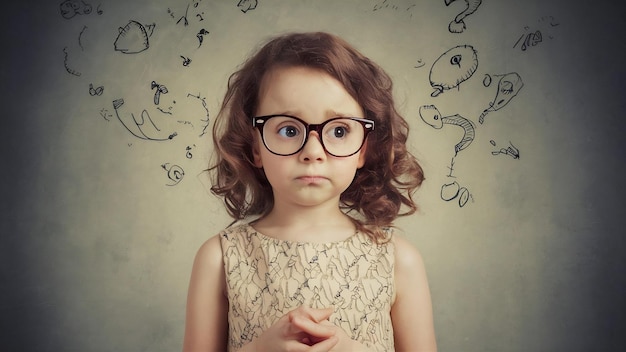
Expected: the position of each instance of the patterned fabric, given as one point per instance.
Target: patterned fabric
(266, 278)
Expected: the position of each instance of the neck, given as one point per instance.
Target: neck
(306, 224)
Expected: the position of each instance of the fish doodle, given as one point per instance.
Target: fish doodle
(452, 68)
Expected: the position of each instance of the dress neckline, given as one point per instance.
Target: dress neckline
(252, 230)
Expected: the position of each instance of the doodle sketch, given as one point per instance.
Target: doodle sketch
(432, 117)
(175, 173)
(140, 128)
(531, 39)
(67, 66)
(458, 24)
(71, 8)
(508, 86)
(247, 5)
(511, 151)
(453, 190)
(133, 38)
(452, 68)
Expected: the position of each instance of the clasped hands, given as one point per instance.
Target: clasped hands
(304, 329)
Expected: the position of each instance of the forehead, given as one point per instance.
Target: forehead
(306, 92)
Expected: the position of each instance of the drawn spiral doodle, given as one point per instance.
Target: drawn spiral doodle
(175, 173)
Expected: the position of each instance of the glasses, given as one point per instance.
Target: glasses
(286, 135)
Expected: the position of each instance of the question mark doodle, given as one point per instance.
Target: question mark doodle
(458, 25)
(432, 117)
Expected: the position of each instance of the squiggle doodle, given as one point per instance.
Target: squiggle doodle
(458, 25)
(247, 5)
(80, 35)
(67, 68)
(534, 38)
(201, 35)
(511, 151)
(133, 38)
(186, 61)
(138, 128)
(204, 105)
(175, 173)
(508, 86)
(431, 116)
(452, 68)
(105, 114)
(160, 89)
(188, 154)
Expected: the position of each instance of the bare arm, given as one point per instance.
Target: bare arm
(206, 323)
(411, 312)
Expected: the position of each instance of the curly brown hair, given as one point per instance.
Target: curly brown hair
(380, 188)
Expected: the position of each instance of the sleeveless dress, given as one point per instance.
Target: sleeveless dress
(266, 278)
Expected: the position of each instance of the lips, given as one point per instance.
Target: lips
(311, 179)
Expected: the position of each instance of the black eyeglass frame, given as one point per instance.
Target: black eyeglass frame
(368, 126)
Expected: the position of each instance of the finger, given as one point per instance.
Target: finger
(308, 326)
(321, 314)
(314, 314)
(325, 345)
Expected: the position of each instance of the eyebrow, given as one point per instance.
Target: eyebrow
(328, 114)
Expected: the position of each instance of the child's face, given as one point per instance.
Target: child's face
(311, 176)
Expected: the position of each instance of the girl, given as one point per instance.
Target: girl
(309, 144)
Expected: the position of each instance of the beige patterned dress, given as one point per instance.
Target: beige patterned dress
(266, 278)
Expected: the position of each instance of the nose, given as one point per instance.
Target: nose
(312, 149)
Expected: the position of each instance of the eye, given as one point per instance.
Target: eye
(288, 131)
(339, 131)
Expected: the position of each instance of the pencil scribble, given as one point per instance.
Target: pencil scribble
(511, 151)
(532, 38)
(71, 8)
(247, 5)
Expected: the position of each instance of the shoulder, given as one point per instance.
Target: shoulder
(407, 256)
(210, 252)
(412, 309)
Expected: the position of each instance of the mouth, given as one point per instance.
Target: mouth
(310, 179)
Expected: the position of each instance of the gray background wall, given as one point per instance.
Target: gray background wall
(99, 227)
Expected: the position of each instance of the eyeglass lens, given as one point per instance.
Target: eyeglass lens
(340, 137)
